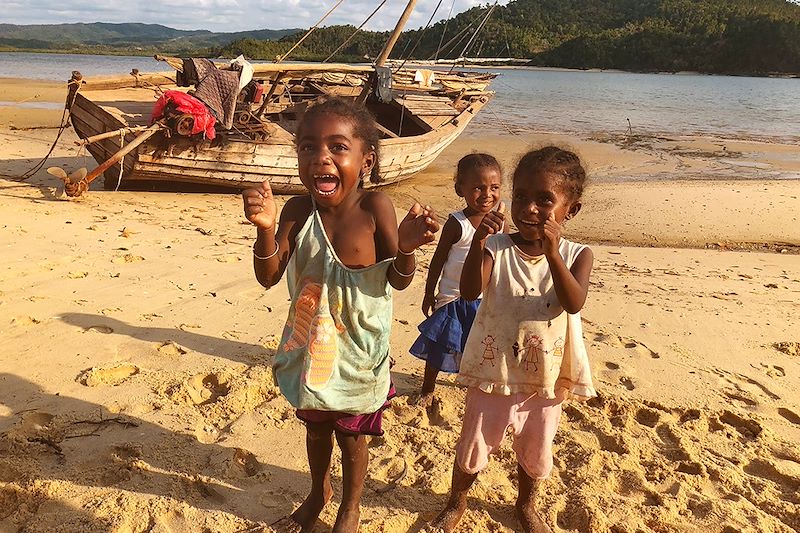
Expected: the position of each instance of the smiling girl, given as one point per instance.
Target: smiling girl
(443, 333)
(343, 252)
(525, 353)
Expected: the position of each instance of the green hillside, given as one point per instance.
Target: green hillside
(129, 38)
(715, 36)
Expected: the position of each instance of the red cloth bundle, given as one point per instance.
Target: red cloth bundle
(185, 103)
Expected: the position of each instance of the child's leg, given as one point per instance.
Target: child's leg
(319, 446)
(428, 384)
(528, 518)
(486, 417)
(355, 457)
(450, 516)
(535, 423)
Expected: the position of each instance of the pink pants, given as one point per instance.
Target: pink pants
(533, 419)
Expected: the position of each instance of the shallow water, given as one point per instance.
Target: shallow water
(582, 102)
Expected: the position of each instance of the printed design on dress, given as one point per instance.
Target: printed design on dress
(557, 354)
(533, 352)
(321, 351)
(304, 310)
(314, 328)
(489, 349)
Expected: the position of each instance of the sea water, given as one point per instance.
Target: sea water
(552, 100)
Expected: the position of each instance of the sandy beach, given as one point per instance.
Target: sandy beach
(136, 392)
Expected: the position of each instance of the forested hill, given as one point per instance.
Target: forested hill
(133, 38)
(715, 36)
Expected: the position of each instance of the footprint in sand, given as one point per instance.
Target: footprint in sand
(627, 383)
(740, 396)
(100, 329)
(25, 321)
(206, 388)
(36, 422)
(171, 348)
(127, 258)
(788, 347)
(624, 342)
(389, 472)
(747, 427)
(93, 377)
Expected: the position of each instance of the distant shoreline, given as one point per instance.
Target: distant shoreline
(495, 63)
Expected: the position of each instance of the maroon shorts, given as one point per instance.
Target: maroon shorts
(364, 424)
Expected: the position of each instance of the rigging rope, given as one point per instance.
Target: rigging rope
(475, 34)
(449, 15)
(309, 32)
(63, 125)
(354, 33)
(458, 37)
(419, 40)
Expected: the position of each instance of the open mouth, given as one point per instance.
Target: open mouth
(326, 184)
(529, 224)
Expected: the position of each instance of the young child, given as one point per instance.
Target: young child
(443, 334)
(342, 250)
(525, 352)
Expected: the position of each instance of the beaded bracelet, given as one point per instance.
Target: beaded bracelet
(273, 254)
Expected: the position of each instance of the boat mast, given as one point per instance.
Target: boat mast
(395, 34)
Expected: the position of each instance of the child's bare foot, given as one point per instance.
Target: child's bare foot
(530, 520)
(448, 519)
(424, 399)
(302, 520)
(347, 520)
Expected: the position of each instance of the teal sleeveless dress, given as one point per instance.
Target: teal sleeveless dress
(334, 352)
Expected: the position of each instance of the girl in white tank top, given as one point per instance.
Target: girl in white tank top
(449, 318)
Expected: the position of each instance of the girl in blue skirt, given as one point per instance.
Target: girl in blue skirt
(444, 332)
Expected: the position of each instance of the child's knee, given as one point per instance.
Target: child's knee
(472, 460)
(538, 468)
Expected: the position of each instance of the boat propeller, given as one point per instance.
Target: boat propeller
(75, 183)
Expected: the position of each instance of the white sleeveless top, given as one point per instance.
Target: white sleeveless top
(522, 340)
(449, 284)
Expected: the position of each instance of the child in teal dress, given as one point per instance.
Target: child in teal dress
(343, 253)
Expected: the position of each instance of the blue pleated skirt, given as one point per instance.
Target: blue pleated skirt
(444, 334)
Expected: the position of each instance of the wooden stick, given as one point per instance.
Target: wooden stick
(106, 135)
(116, 158)
(395, 34)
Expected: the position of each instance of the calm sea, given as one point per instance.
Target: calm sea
(559, 101)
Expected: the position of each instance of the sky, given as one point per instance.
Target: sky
(228, 15)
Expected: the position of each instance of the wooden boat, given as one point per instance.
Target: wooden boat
(418, 121)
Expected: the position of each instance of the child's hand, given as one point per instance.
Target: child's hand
(552, 235)
(259, 206)
(493, 222)
(417, 228)
(428, 301)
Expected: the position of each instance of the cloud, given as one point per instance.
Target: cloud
(225, 15)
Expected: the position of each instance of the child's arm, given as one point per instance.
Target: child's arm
(571, 285)
(478, 265)
(451, 233)
(271, 251)
(417, 228)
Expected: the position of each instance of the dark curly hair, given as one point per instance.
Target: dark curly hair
(556, 161)
(364, 126)
(472, 162)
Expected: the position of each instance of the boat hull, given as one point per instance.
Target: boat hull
(237, 163)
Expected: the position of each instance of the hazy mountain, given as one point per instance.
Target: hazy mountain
(120, 36)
